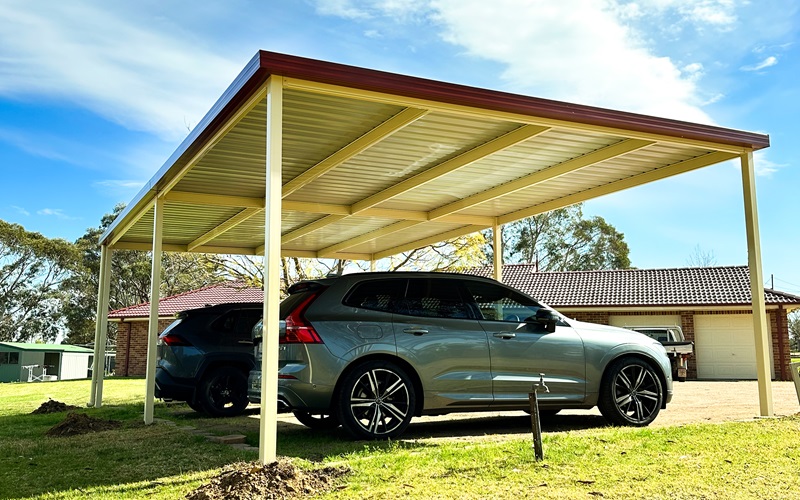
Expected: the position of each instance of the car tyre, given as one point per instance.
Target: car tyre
(376, 400)
(194, 405)
(318, 421)
(631, 393)
(223, 392)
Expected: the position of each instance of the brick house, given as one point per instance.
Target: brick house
(712, 305)
(133, 320)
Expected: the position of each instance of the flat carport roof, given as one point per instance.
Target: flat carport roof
(307, 158)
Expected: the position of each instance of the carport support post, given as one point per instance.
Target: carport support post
(268, 429)
(497, 245)
(152, 331)
(762, 334)
(101, 328)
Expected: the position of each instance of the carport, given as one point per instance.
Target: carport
(306, 158)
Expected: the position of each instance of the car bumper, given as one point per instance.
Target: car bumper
(170, 388)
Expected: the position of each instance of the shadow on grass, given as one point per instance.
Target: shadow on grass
(139, 458)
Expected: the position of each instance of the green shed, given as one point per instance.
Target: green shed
(20, 362)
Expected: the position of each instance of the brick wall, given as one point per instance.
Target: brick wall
(598, 317)
(132, 347)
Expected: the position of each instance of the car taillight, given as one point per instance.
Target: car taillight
(173, 340)
(298, 329)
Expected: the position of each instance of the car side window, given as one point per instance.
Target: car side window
(498, 303)
(235, 326)
(376, 295)
(435, 298)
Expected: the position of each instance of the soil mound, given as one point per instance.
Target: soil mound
(81, 423)
(52, 406)
(281, 479)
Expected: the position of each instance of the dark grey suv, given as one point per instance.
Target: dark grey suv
(204, 357)
(369, 351)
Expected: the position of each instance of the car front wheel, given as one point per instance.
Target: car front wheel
(223, 392)
(631, 393)
(376, 400)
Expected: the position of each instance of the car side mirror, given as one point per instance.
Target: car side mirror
(544, 319)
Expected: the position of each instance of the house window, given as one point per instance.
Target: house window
(9, 358)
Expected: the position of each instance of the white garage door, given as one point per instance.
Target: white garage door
(725, 346)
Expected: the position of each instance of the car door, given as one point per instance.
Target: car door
(520, 350)
(440, 335)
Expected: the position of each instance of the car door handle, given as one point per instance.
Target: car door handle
(415, 331)
(505, 335)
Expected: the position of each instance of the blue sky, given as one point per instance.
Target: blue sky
(95, 95)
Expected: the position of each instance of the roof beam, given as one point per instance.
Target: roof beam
(224, 227)
(455, 233)
(612, 187)
(310, 228)
(364, 238)
(377, 134)
(218, 200)
(558, 170)
(132, 220)
(505, 141)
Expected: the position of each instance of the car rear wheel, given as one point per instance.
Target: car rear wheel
(223, 392)
(194, 405)
(319, 421)
(376, 400)
(631, 393)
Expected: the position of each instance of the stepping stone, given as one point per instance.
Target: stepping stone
(229, 439)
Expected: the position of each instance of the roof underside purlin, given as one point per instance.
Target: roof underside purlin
(375, 164)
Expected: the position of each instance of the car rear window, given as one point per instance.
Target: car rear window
(377, 295)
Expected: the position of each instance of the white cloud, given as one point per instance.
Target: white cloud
(580, 51)
(763, 166)
(766, 63)
(342, 8)
(144, 76)
(20, 210)
(55, 212)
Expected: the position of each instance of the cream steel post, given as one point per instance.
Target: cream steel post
(268, 429)
(101, 328)
(762, 333)
(152, 332)
(497, 241)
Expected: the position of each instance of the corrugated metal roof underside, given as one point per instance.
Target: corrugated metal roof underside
(436, 173)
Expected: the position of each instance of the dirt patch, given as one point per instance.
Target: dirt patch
(52, 406)
(81, 423)
(281, 479)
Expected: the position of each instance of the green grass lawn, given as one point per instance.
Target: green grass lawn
(758, 459)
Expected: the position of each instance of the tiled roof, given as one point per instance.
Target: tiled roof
(696, 286)
(222, 293)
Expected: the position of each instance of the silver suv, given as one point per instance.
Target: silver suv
(370, 351)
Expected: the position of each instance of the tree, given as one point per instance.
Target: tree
(452, 255)
(564, 240)
(794, 331)
(130, 279)
(701, 258)
(32, 270)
